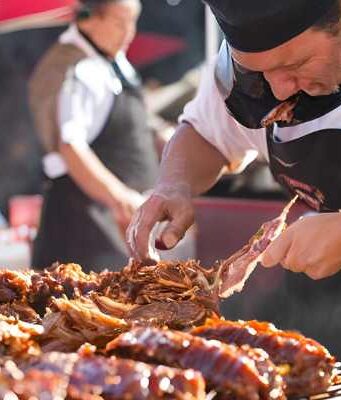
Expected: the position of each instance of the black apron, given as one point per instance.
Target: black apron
(309, 166)
(73, 227)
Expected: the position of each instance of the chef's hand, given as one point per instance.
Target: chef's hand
(311, 245)
(171, 204)
(126, 202)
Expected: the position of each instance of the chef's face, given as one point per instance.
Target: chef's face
(116, 25)
(310, 62)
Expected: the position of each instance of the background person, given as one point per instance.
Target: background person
(99, 151)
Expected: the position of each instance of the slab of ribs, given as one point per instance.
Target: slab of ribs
(149, 332)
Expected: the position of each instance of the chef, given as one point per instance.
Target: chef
(273, 90)
(99, 153)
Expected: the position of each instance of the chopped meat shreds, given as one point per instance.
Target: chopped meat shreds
(174, 315)
(14, 285)
(226, 368)
(117, 293)
(70, 323)
(74, 322)
(59, 280)
(20, 310)
(112, 307)
(59, 335)
(165, 281)
(37, 288)
(85, 312)
(17, 338)
(74, 279)
(306, 365)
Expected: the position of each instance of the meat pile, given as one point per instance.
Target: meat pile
(75, 307)
(149, 332)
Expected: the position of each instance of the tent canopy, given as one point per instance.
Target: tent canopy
(23, 14)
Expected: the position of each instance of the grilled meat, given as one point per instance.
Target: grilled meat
(70, 323)
(20, 311)
(306, 366)
(14, 285)
(241, 372)
(174, 315)
(17, 338)
(96, 308)
(86, 376)
(167, 281)
(117, 293)
(127, 379)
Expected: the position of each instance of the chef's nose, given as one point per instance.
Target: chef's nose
(283, 85)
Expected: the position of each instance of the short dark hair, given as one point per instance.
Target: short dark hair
(91, 7)
(330, 22)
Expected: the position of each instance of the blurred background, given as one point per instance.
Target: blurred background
(168, 52)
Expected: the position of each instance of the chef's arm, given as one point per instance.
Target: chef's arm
(190, 161)
(190, 165)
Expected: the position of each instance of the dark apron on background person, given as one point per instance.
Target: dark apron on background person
(309, 166)
(68, 231)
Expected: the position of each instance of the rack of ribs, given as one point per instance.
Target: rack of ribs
(306, 365)
(87, 376)
(241, 372)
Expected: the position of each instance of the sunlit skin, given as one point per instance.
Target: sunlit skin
(310, 62)
(114, 28)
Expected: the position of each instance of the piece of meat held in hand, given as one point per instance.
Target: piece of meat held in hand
(306, 366)
(233, 272)
(243, 373)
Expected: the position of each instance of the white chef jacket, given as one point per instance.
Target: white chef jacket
(240, 145)
(84, 102)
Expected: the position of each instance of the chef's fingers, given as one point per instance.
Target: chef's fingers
(139, 231)
(175, 230)
(277, 251)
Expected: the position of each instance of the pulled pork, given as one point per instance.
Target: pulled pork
(18, 339)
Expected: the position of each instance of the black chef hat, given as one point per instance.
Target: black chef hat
(95, 3)
(258, 25)
(88, 6)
